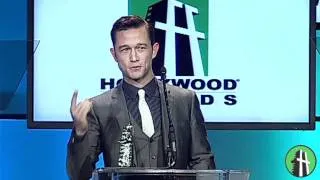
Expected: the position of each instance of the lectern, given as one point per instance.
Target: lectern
(167, 174)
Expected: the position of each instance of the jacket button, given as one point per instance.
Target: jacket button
(153, 157)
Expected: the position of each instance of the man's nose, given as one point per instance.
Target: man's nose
(134, 55)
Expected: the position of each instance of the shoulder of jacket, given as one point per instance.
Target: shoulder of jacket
(176, 91)
(103, 97)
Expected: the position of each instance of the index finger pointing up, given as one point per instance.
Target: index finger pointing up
(74, 99)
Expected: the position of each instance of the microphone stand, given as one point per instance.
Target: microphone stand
(171, 150)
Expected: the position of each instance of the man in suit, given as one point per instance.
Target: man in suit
(137, 104)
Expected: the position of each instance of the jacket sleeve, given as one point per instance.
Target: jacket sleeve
(83, 153)
(201, 156)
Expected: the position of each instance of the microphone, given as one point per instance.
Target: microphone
(171, 149)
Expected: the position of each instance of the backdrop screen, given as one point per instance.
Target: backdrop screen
(251, 63)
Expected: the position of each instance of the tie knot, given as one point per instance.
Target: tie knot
(141, 93)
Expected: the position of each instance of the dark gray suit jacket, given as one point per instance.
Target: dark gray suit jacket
(110, 114)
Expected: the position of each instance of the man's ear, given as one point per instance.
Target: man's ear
(112, 51)
(155, 48)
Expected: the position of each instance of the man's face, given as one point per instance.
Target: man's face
(134, 53)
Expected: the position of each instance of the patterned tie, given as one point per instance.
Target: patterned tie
(146, 118)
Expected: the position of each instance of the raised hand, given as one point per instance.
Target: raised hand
(79, 114)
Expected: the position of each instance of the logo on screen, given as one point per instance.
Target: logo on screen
(180, 37)
(181, 29)
(300, 161)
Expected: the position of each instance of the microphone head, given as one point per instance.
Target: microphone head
(163, 70)
(163, 73)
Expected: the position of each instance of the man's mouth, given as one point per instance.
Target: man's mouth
(135, 68)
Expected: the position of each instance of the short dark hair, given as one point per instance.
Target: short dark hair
(129, 22)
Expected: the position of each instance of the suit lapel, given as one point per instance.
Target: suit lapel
(120, 107)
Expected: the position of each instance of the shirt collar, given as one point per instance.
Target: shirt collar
(151, 89)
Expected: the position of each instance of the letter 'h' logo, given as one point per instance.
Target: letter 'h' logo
(301, 164)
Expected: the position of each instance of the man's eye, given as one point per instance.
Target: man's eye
(141, 48)
(124, 49)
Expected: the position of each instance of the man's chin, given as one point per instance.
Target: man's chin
(135, 77)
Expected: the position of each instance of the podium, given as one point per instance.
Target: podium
(167, 174)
